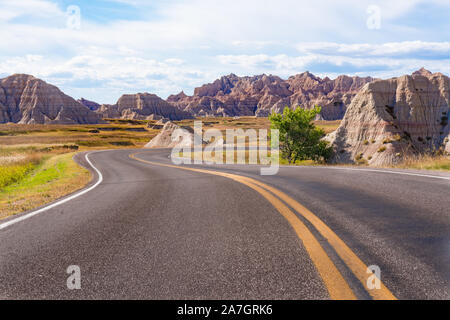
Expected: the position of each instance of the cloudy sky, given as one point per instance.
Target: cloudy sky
(101, 49)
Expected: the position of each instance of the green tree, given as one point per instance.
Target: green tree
(300, 139)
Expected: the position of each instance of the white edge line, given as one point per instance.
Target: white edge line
(388, 171)
(343, 168)
(354, 169)
(53, 205)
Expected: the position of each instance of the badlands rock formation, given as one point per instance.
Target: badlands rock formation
(142, 106)
(28, 100)
(164, 138)
(91, 105)
(260, 95)
(390, 119)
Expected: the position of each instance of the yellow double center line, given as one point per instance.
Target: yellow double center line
(335, 283)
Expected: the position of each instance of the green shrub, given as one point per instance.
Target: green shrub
(300, 139)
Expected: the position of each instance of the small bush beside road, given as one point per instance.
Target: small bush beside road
(300, 139)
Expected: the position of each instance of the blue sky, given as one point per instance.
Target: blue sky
(163, 47)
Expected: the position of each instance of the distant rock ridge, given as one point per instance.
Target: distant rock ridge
(177, 97)
(142, 106)
(422, 72)
(390, 119)
(89, 104)
(28, 100)
(260, 95)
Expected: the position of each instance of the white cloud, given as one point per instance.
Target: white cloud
(286, 66)
(381, 50)
(180, 44)
(38, 8)
(117, 74)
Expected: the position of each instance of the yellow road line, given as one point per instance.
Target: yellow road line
(335, 283)
(355, 264)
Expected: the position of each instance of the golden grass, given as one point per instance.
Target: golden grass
(328, 126)
(57, 176)
(116, 134)
(425, 162)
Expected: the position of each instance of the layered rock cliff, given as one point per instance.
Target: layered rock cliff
(260, 95)
(390, 119)
(28, 100)
(142, 106)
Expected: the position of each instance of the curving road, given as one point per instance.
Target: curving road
(152, 231)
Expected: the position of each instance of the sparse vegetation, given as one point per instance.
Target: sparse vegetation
(359, 159)
(381, 149)
(425, 162)
(362, 162)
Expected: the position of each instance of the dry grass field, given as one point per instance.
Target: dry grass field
(114, 134)
(36, 165)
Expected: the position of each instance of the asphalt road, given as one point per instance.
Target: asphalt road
(151, 231)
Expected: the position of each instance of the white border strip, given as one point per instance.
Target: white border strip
(215, 166)
(383, 171)
(76, 195)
